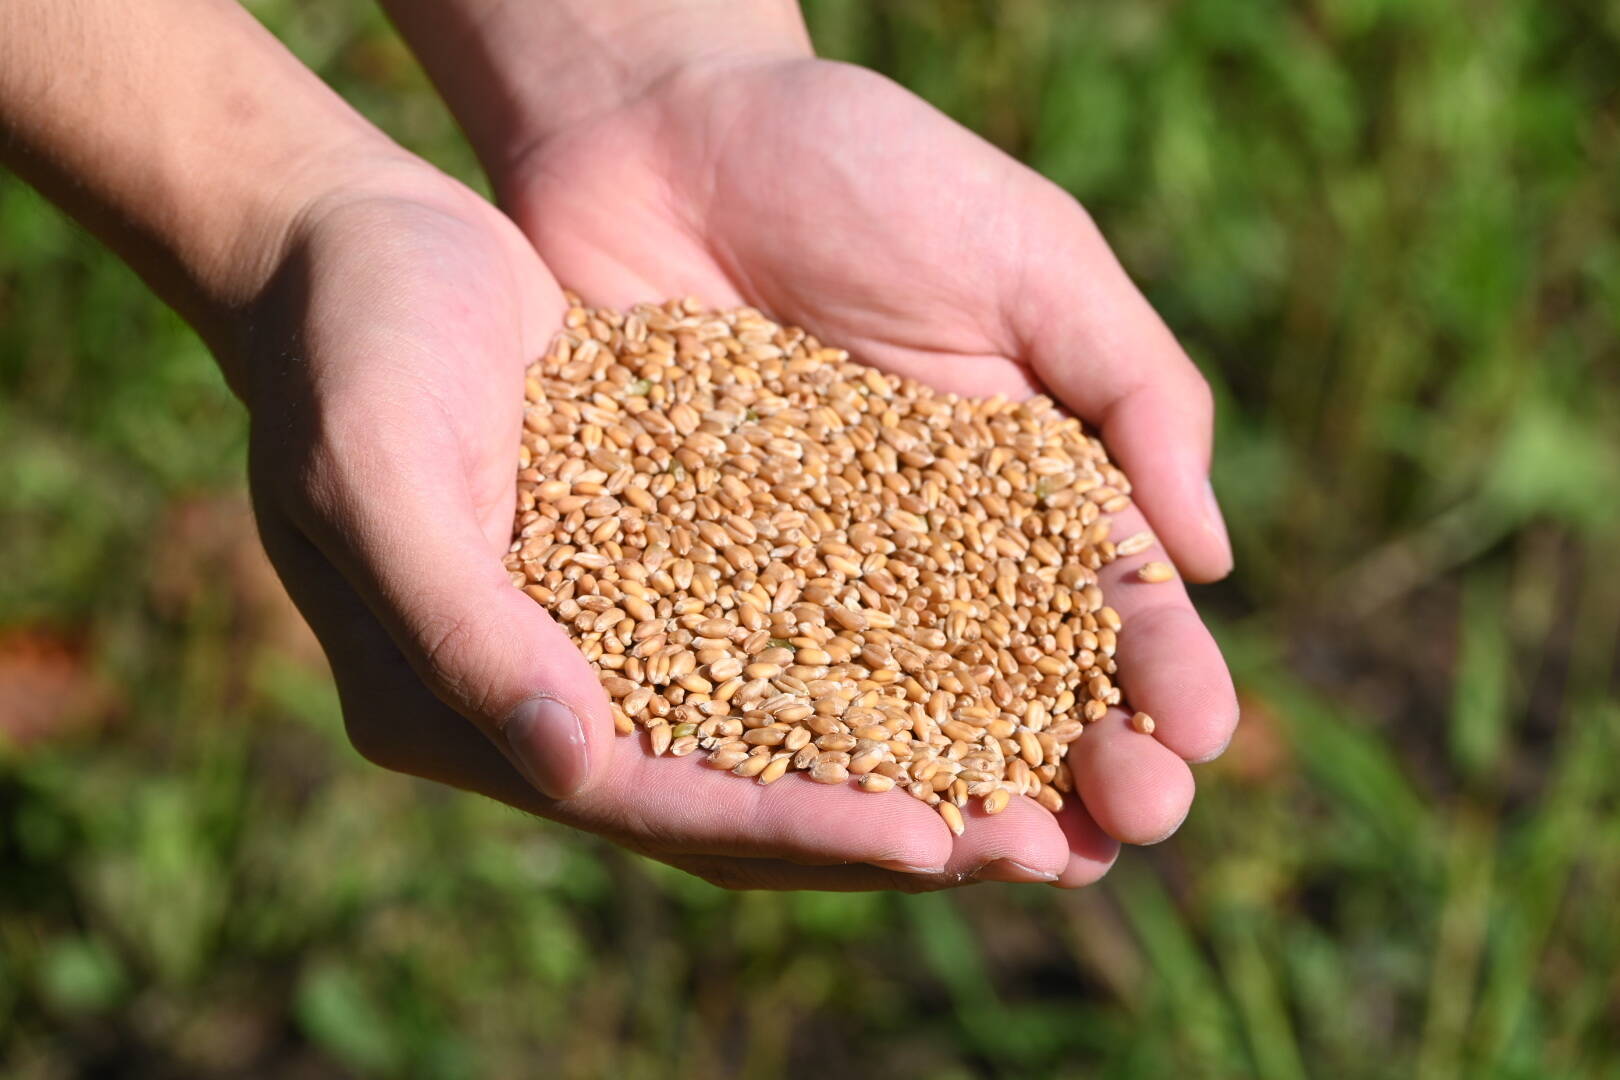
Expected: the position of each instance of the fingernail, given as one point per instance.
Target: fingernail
(906, 868)
(1009, 870)
(1214, 521)
(548, 742)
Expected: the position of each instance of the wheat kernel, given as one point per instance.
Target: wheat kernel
(789, 560)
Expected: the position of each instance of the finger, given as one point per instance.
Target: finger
(665, 804)
(680, 805)
(779, 876)
(1169, 665)
(391, 717)
(385, 495)
(1102, 350)
(385, 447)
(1091, 851)
(486, 649)
(649, 803)
(1022, 843)
(1133, 786)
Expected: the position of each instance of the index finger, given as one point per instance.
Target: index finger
(1169, 664)
(1104, 352)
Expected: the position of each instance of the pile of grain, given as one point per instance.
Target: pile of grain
(791, 561)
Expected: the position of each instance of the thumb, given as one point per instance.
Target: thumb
(498, 658)
(403, 531)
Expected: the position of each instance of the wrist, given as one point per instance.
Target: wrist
(544, 70)
(187, 139)
(253, 305)
(230, 259)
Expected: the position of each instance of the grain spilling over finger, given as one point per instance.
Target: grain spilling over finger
(1171, 668)
(1022, 842)
(1136, 789)
(1091, 851)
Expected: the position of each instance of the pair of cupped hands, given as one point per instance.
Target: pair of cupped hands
(386, 402)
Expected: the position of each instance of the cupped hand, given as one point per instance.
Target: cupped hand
(831, 198)
(383, 369)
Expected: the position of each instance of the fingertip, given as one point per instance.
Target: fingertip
(1213, 524)
(1010, 871)
(1136, 789)
(564, 721)
(1173, 828)
(804, 819)
(1205, 759)
(1081, 871)
(1092, 852)
(1172, 669)
(1021, 843)
(1180, 504)
(896, 832)
(926, 850)
(1203, 566)
(1202, 549)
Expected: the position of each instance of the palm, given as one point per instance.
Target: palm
(407, 351)
(812, 191)
(383, 463)
(831, 198)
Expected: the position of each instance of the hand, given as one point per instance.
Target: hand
(831, 198)
(377, 319)
(383, 370)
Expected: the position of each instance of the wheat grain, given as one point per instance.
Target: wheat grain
(794, 562)
(1134, 545)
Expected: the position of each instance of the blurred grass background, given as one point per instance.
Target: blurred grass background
(1386, 228)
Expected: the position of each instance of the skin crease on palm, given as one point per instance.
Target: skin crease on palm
(404, 462)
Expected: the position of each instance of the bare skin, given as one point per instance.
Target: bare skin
(376, 317)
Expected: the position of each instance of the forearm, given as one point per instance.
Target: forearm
(180, 132)
(516, 71)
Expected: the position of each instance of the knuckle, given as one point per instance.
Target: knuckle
(371, 736)
(1079, 235)
(647, 835)
(1086, 229)
(450, 647)
(732, 875)
(919, 884)
(1199, 392)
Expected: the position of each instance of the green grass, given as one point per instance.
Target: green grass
(1387, 231)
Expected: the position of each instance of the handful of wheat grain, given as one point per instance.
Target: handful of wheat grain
(791, 561)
